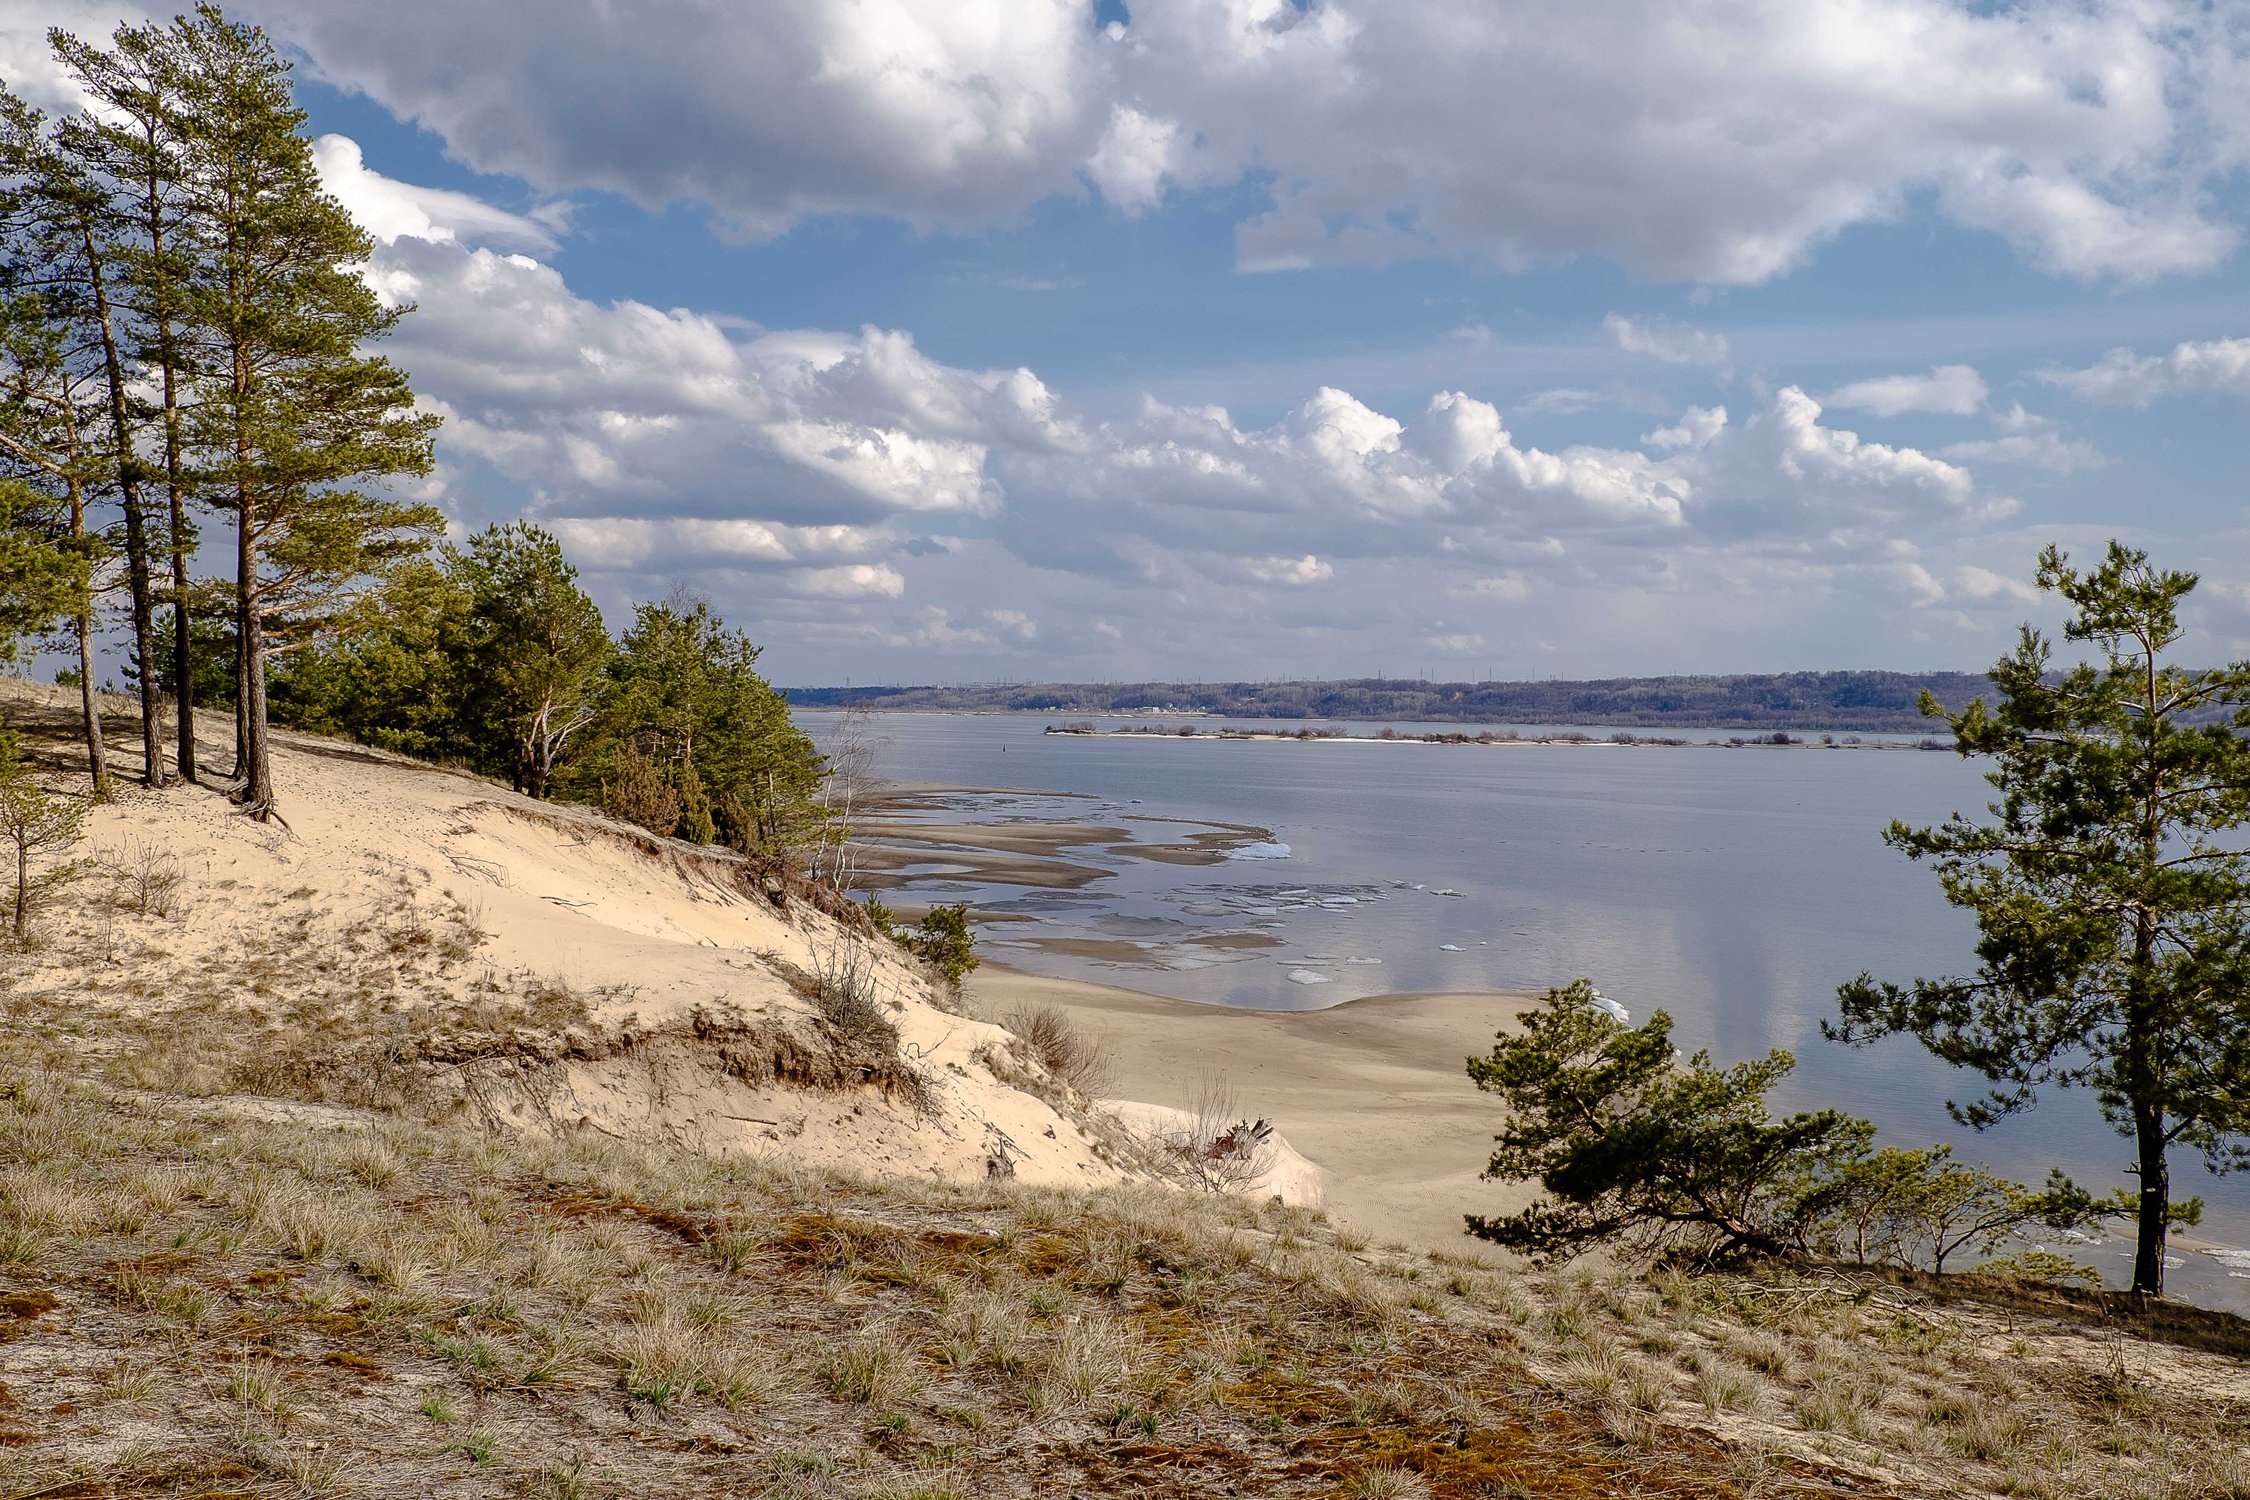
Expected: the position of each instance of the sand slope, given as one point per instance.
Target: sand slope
(403, 887)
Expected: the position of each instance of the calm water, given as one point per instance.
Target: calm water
(1733, 888)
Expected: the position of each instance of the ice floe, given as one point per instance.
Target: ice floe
(1610, 1008)
(1271, 850)
(1307, 976)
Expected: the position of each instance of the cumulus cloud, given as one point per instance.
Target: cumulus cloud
(855, 494)
(1947, 390)
(1722, 142)
(2125, 378)
(389, 209)
(1673, 342)
(1134, 158)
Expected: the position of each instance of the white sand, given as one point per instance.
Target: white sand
(1374, 1091)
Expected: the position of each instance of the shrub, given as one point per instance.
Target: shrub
(1063, 1047)
(35, 824)
(638, 793)
(1631, 1145)
(943, 940)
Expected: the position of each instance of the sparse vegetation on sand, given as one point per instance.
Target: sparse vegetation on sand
(247, 1296)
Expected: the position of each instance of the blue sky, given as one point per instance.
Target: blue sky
(1012, 339)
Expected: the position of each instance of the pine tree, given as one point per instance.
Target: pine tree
(2111, 889)
(132, 143)
(49, 414)
(61, 246)
(39, 580)
(534, 652)
(289, 418)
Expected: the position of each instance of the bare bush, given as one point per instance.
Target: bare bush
(1212, 1145)
(847, 995)
(145, 879)
(1068, 1051)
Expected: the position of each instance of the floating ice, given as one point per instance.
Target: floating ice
(2238, 1260)
(1610, 1008)
(1449, 891)
(1449, 947)
(1273, 850)
(1307, 976)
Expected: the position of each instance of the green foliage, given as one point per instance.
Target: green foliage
(2110, 886)
(1632, 1146)
(683, 692)
(533, 654)
(944, 941)
(637, 791)
(40, 577)
(1919, 1207)
(35, 824)
(391, 674)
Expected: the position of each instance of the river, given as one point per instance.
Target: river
(1734, 888)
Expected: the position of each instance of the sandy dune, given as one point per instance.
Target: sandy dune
(398, 886)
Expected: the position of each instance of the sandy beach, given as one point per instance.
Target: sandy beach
(1373, 1090)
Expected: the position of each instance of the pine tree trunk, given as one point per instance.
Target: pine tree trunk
(97, 753)
(136, 529)
(255, 793)
(89, 700)
(183, 651)
(2153, 1223)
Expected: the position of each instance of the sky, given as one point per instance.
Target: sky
(1202, 339)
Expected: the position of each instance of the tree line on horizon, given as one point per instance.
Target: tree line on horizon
(1864, 702)
(186, 377)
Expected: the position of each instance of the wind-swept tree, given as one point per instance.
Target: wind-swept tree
(296, 427)
(2110, 886)
(1632, 1146)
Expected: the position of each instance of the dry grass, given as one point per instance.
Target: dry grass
(204, 1303)
(1069, 1053)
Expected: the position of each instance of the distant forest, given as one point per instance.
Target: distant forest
(1876, 702)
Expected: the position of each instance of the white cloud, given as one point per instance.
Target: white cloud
(2026, 440)
(2125, 378)
(1985, 585)
(1135, 156)
(387, 208)
(1673, 342)
(1722, 141)
(1947, 390)
(1297, 570)
(1697, 426)
(930, 110)
(855, 495)
(1507, 586)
